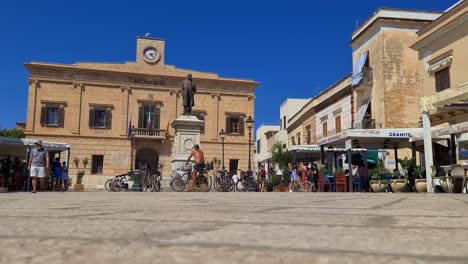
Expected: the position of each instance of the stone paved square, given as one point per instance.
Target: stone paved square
(101, 227)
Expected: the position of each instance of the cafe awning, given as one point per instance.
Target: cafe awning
(443, 132)
(16, 147)
(372, 138)
(358, 67)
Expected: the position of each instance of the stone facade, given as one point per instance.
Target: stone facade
(122, 90)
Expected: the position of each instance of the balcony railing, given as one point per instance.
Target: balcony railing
(150, 133)
(368, 124)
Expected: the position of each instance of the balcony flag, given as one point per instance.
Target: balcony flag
(129, 133)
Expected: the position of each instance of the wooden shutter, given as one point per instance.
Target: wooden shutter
(228, 125)
(157, 118)
(442, 79)
(43, 115)
(91, 117)
(61, 116)
(141, 117)
(108, 119)
(241, 125)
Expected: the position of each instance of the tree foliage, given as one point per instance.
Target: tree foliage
(282, 157)
(13, 133)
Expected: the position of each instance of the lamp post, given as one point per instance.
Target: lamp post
(250, 122)
(136, 187)
(222, 135)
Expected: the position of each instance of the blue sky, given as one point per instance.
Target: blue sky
(293, 48)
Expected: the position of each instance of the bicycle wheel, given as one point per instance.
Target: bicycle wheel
(306, 186)
(177, 185)
(147, 183)
(217, 184)
(116, 185)
(107, 184)
(204, 182)
(156, 184)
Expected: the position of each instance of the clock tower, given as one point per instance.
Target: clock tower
(150, 51)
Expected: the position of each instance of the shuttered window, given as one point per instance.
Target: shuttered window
(100, 117)
(235, 124)
(337, 124)
(149, 117)
(324, 129)
(53, 114)
(442, 79)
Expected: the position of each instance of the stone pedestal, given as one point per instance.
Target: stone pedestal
(187, 134)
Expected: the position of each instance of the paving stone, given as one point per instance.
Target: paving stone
(168, 227)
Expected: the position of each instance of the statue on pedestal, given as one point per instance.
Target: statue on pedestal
(188, 89)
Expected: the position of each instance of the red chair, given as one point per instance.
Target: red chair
(341, 185)
(321, 184)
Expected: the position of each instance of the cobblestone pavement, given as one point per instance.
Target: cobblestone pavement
(102, 227)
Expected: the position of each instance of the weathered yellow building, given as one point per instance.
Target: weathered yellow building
(443, 62)
(90, 106)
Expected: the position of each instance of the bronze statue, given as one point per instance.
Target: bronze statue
(188, 90)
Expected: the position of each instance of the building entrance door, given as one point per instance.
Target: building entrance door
(146, 158)
(233, 166)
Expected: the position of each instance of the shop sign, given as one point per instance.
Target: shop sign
(399, 134)
(329, 139)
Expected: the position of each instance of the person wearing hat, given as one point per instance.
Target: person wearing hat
(38, 163)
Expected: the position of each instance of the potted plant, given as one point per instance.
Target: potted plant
(377, 183)
(281, 157)
(79, 176)
(79, 181)
(420, 181)
(401, 184)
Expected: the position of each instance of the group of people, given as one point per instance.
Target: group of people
(11, 176)
(309, 171)
(39, 164)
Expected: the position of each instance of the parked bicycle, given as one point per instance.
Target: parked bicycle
(179, 177)
(152, 181)
(247, 183)
(302, 185)
(117, 184)
(223, 182)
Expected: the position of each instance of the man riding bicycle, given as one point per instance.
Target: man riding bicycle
(199, 157)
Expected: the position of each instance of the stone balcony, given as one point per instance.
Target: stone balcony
(150, 133)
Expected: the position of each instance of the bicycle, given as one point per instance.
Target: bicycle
(117, 184)
(179, 177)
(152, 181)
(223, 182)
(247, 183)
(301, 185)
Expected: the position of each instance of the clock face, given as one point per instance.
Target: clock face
(150, 54)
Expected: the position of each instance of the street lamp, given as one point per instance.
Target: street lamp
(250, 122)
(136, 187)
(222, 135)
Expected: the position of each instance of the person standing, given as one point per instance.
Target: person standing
(64, 177)
(57, 172)
(38, 163)
(294, 176)
(263, 175)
